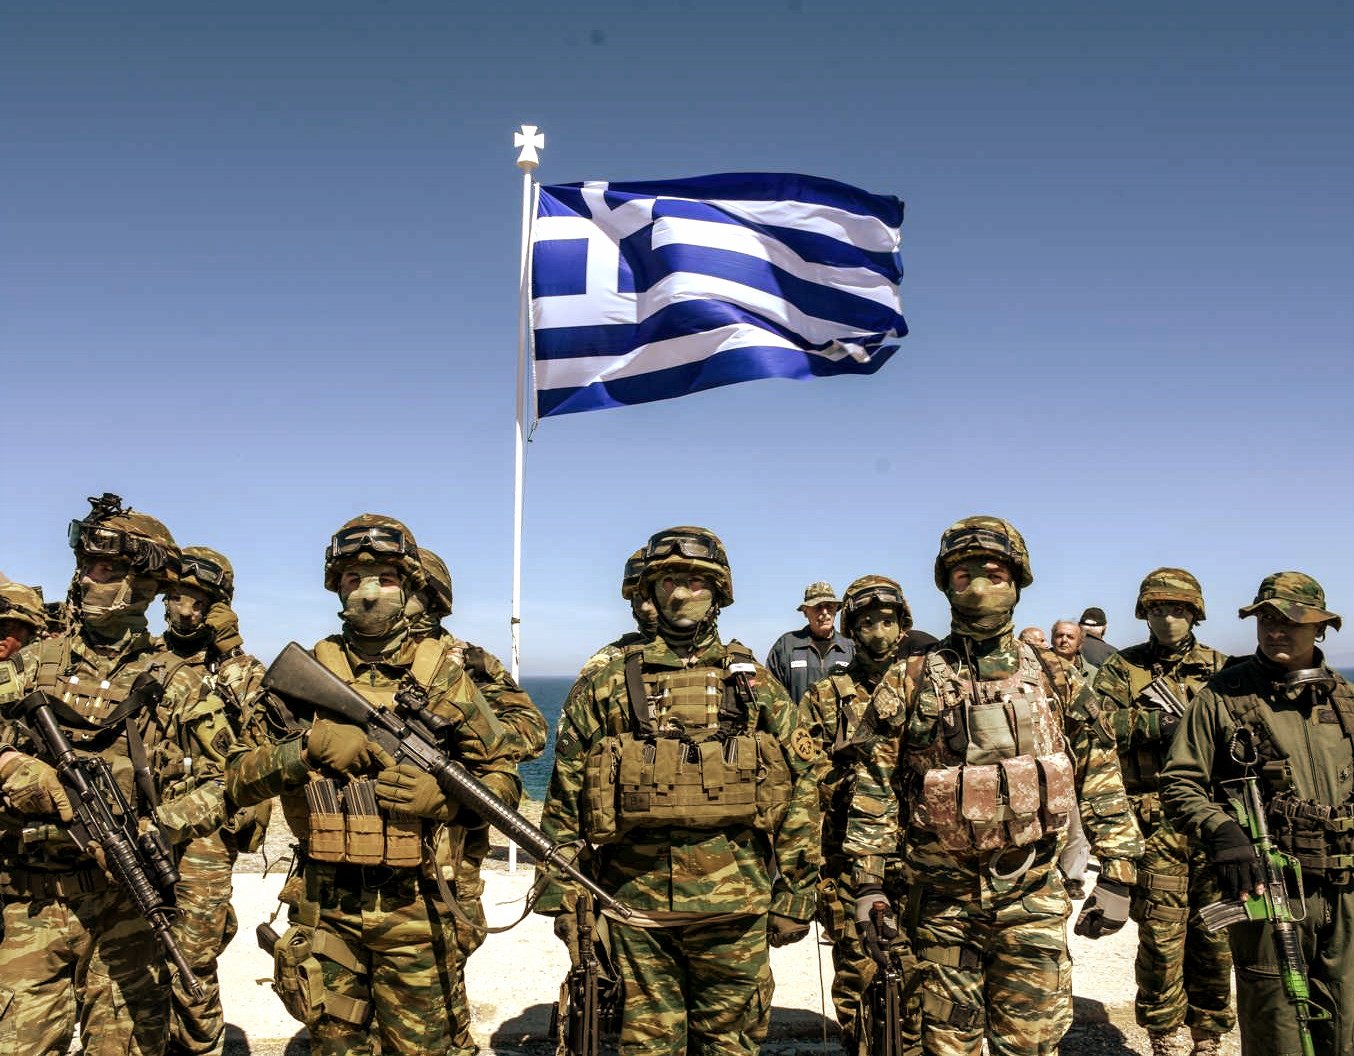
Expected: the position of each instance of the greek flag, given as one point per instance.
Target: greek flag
(646, 291)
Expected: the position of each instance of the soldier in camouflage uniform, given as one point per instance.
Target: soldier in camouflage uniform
(681, 762)
(876, 617)
(71, 938)
(22, 617)
(203, 633)
(985, 746)
(526, 732)
(369, 959)
(641, 607)
(1290, 713)
(1184, 971)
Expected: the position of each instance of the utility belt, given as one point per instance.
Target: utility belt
(346, 826)
(345, 876)
(1141, 767)
(659, 781)
(38, 885)
(1319, 836)
(991, 806)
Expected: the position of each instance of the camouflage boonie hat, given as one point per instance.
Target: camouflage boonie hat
(1294, 595)
(18, 602)
(874, 590)
(818, 593)
(1169, 584)
(372, 538)
(983, 535)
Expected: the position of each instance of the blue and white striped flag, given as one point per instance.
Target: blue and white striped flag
(645, 291)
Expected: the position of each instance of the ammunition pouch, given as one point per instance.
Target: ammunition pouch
(632, 782)
(1319, 836)
(348, 828)
(297, 976)
(991, 806)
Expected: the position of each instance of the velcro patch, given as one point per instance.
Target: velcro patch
(803, 744)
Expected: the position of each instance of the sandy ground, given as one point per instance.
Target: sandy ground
(514, 978)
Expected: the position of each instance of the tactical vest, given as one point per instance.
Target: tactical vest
(1141, 764)
(343, 821)
(997, 773)
(1320, 836)
(690, 758)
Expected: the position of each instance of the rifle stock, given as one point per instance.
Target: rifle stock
(138, 862)
(408, 735)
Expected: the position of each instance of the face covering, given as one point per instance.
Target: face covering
(374, 611)
(421, 622)
(646, 615)
(878, 640)
(113, 609)
(184, 615)
(1170, 631)
(983, 609)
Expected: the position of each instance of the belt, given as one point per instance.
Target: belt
(40, 886)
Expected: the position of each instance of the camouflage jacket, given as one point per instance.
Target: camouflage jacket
(609, 652)
(1309, 757)
(186, 736)
(473, 735)
(522, 720)
(683, 870)
(906, 720)
(1134, 712)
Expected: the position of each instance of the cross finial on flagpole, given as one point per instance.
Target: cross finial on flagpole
(529, 139)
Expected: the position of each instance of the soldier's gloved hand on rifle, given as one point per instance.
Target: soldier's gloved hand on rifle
(341, 747)
(1106, 911)
(407, 788)
(1235, 861)
(886, 924)
(31, 787)
(225, 627)
(782, 931)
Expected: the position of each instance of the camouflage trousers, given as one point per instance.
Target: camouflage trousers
(387, 960)
(1184, 973)
(695, 988)
(1268, 1023)
(993, 954)
(468, 890)
(92, 951)
(205, 927)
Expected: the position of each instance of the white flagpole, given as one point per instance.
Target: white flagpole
(528, 139)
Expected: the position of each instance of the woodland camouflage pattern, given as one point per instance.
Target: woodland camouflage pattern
(1184, 972)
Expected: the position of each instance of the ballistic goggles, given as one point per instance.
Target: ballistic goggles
(698, 547)
(95, 540)
(374, 539)
(205, 571)
(976, 540)
(876, 595)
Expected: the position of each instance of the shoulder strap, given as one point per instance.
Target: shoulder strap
(328, 652)
(54, 659)
(427, 658)
(634, 689)
(1054, 670)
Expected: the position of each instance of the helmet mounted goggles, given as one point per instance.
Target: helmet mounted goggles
(204, 570)
(698, 546)
(878, 594)
(970, 540)
(95, 540)
(377, 540)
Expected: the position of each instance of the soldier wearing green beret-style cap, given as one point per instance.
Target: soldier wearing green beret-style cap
(1298, 713)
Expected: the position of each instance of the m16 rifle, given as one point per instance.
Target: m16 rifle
(410, 734)
(1273, 904)
(884, 1001)
(1160, 695)
(141, 863)
(590, 993)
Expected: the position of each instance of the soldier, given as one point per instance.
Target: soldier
(22, 617)
(705, 820)
(1286, 711)
(1184, 972)
(876, 617)
(370, 952)
(203, 633)
(526, 735)
(118, 694)
(641, 607)
(985, 746)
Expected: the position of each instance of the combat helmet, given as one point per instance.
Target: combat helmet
(1170, 584)
(24, 604)
(110, 530)
(634, 572)
(874, 590)
(689, 549)
(983, 535)
(372, 538)
(210, 571)
(437, 590)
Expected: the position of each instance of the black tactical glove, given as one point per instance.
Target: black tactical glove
(225, 627)
(782, 931)
(885, 922)
(1235, 861)
(1105, 911)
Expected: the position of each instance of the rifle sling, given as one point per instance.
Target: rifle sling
(145, 780)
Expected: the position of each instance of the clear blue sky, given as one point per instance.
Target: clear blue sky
(258, 265)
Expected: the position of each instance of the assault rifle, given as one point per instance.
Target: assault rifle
(882, 1003)
(412, 735)
(1274, 905)
(590, 994)
(140, 862)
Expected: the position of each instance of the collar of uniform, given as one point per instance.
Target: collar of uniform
(400, 654)
(1269, 671)
(1165, 654)
(130, 645)
(657, 653)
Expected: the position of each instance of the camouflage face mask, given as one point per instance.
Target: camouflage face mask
(983, 608)
(116, 607)
(374, 611)
(877, 631)
(1170, 631)
(184, 614)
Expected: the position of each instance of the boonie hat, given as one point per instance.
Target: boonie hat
(1092, 617)
(1294, 595)
(818, 593)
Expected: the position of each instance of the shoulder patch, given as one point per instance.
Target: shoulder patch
(803, 744)
(222, 741)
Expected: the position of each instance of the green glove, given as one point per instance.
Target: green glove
(407, 788)
(32, 787)
(225, 627)
(781, 931)
(341, 747)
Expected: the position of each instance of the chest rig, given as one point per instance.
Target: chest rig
(1147, 688)
(994, 772)
(1319, 835)
(344, 822)
(690, 756)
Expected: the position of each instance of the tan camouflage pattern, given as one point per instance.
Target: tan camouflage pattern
(1295, 595)
(408, 563)
(96, 935)
(968, 537)
(1183, 972)
(1019, 1003)
(18, 602)
(1169, 584)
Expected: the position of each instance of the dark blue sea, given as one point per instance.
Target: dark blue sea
(548, 695)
